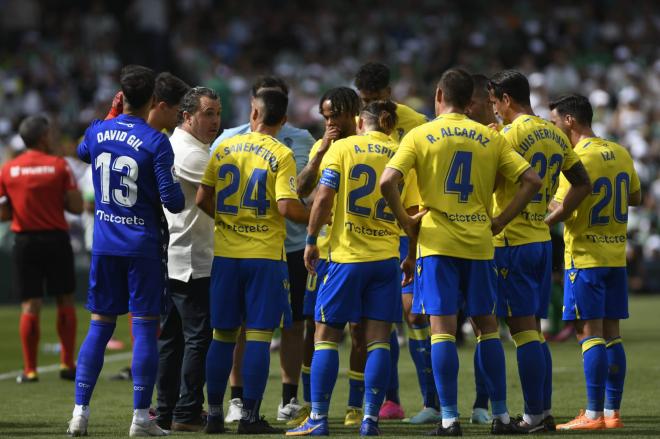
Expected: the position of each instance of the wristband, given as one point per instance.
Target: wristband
(311, 240)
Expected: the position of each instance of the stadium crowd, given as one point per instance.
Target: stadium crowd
(301, 242)
(65, 63)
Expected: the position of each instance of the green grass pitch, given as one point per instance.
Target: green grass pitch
(41, 410)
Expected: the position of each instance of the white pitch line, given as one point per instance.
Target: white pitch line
(56, 367)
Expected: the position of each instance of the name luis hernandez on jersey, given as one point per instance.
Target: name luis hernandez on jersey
(119, 136)
(254, 148)
(541, 134)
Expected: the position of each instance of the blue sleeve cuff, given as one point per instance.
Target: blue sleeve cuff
(330, 178)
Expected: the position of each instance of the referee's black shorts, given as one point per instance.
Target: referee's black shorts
(297, 281)
(42, 262)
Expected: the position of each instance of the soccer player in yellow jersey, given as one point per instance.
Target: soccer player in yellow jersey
(456, 161)
(362, 283)
(595, 284)
(339, 107)
(373, 83)
(523, 252)
(249, 187)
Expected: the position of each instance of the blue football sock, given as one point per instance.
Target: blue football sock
(145, 361)
(393, 380)
(531, 369)
(616, 361)
(445, 370)
(219, 360)
(493, 367)
(377, 373)
(90, 359)
(256, 363)
(547, 386)
(305, 377)
(325, 367)
(594, 358)
(355, 389)
(481, 399)
(419, 345)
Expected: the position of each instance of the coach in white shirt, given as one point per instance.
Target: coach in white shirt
(185, 329)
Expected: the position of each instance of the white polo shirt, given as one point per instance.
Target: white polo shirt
(191, 231)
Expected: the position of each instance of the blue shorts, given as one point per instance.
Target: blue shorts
(524, 283)
(595, 293)
(121, 284)
(444, 284)
(403, 252)
(312, 288)
(250, 291)
(362, 290)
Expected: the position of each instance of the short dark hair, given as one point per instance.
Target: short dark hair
(575, 105)
(372, 77)
(137, 84)
(267, 81)
(480, 84)
(343, 100)
(32, 129)
(191, 100)
(381, 115)
(169, 89)
(274, 106)
(457, 87)
(511, 82)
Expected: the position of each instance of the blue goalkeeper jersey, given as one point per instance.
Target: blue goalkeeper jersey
(133, 176)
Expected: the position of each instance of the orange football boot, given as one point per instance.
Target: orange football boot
(613, 421)
(581, 422)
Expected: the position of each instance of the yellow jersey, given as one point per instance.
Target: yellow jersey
(407, 119)
(364, 228)
(456, 160)
(548, 151)
(324, 234)
(250, 173)
(595, 234)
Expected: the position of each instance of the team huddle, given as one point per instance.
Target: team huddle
(406, 220)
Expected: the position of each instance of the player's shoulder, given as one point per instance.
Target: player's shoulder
(404, 111)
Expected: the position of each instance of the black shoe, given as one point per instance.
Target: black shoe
(29, 378)
(453, 430)
(260, 426)
(519, 426)
(549, 422)
(124, 374)
(195, 426)
(498, 427)
(214, 424)
(163, 423)
(68, 374)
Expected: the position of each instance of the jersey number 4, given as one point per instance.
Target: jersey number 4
(458, 178)
(128, 168)
(254, 195)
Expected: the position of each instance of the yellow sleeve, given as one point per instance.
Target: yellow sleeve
(315, 148)
(405, 157)
(635, 185)
(332, 158)
(210, 174)
(570, 159)
(563, 188)
(411, 195)
(285, 180)
(511, 164)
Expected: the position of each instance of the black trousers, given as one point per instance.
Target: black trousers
(183, 343)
